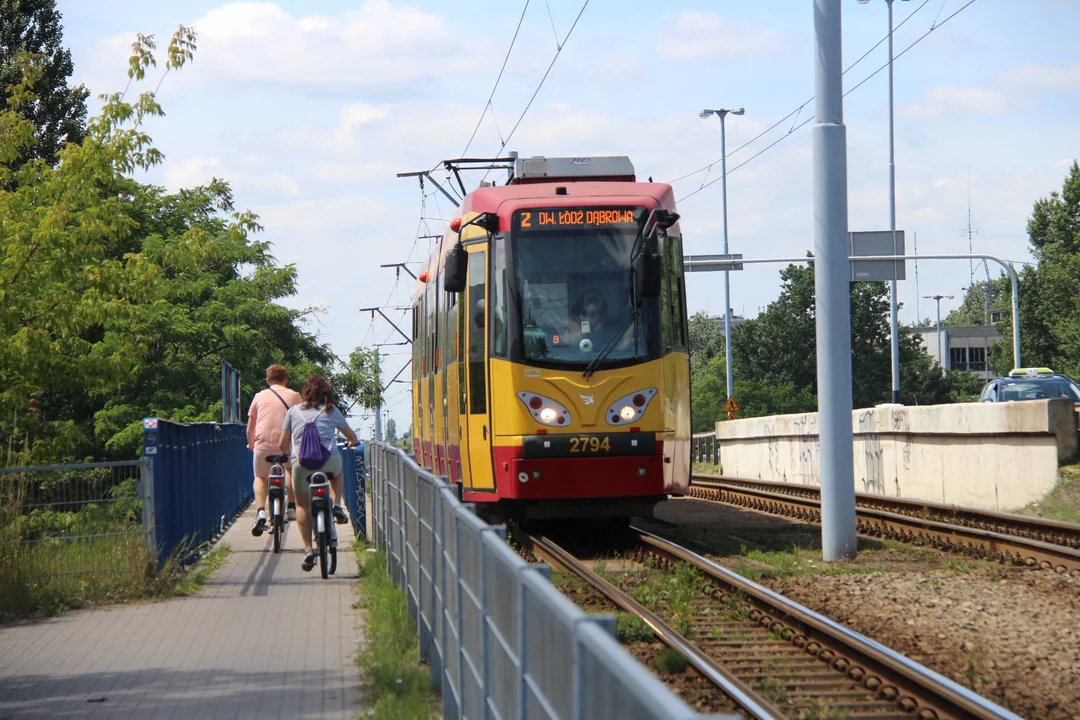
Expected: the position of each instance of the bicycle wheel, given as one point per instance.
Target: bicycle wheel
(323, 543)
(333, 560)
(277, 535)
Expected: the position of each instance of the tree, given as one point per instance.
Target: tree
(776, 363)
(360, 380)
(973, 310)
(119, 300)
(1049, 301)
(391, 432)
(31, 30)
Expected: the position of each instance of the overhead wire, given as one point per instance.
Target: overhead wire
(558, 51)
(799, 108)
(491, 96)
(807, 121)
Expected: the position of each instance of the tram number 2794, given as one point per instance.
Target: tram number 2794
(588, 444)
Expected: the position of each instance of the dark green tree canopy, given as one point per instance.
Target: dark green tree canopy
(31, 30)
(1049, 290)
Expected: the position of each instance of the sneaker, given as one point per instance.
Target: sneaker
(309, 561)
(260, 523)
(290, 514)
(339, 515)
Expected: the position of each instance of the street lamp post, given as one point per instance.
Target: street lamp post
(894, 324)
(722, 113)
(939, 298)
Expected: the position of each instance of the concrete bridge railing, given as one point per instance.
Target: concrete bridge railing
(996, 456)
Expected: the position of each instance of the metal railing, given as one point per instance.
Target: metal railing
(201, 480)
(705, 448)
(501, 640)
(75, 520)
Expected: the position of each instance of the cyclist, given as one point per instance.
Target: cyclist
(318, 407)
(267, 412)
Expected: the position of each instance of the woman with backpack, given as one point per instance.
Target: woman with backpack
(309, 430)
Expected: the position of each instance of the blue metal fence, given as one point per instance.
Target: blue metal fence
(354, 469)
(201, 480)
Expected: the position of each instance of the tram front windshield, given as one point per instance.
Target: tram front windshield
(574, 294)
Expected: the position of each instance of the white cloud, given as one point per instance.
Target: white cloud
(700, 35)
(1048, 78)
(381, 44)
(943, 102)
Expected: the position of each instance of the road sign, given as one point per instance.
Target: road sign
(881, 242)
(731, 405)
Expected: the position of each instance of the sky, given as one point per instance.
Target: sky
(309, 111)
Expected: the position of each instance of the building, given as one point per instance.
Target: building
(736, 321)
(965, 347)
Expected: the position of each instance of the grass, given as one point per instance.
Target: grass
(56, 556)
(671, 662)
(824, 711)
(707, 468)
(396, 686)
(1062, 502)
(629, 628)
(774, 685)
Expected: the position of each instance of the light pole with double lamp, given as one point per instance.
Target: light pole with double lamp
(939, 298)
(722, 113)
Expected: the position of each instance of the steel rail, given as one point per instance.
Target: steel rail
(1044, 529)
(906, 528)
(743, 696)
(916, 689)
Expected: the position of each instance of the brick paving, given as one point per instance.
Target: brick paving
(213, 655)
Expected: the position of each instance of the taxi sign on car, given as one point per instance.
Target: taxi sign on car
(1031, 372)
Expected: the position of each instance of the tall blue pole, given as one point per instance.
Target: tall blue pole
(894, 324)
(833, 295)
(727, 275)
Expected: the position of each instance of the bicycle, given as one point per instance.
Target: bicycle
(323, 523)
(276, 496)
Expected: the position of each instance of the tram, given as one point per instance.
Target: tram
(551, 374)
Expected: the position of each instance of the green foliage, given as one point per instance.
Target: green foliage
(396, 685)
(629, 628)
(671, 662)
(391, 432)
(119, 300)
(1049, 301)
(776, 363)
(973, 310)
(1061, 503)
(30, 32)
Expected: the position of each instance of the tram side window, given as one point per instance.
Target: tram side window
(673, 265)
(665, 301)
(498, 298)
(460, 354)
(476, 307)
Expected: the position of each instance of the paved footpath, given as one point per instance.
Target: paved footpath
(201, 657)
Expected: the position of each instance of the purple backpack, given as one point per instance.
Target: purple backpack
(313, 454)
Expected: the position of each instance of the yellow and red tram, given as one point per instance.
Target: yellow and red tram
(550, 352)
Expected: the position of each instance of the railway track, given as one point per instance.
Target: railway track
(1015, 539)
(775, 658)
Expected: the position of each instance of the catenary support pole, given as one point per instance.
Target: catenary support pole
(727, 275)
(832, 278)
(894, 321)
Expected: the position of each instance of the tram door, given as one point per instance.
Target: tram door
(476, 436)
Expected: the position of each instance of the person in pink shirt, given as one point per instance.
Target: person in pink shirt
(265, 416)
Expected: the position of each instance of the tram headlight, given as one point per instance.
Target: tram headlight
(630, 408)
(545, 410)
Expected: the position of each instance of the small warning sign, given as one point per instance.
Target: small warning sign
(731, 407)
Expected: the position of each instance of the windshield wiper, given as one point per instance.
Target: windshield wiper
(606, 350)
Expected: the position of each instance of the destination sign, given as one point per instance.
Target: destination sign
(592, 218)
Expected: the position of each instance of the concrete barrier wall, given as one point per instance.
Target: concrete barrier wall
(996, 456)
